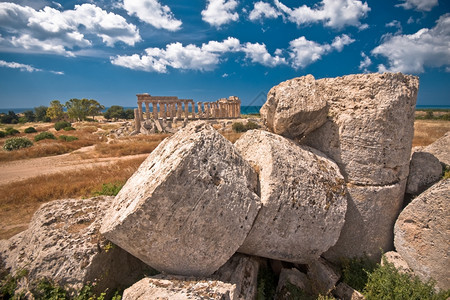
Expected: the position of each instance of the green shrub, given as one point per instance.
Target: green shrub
(68, 138)
(267, 283)
(62, 124)
(2, 134)
(238, 127)
(8, 284)
(386, 282)
(69, 128)
(109, 189)
(251, 125)
(17, 143)
(355, 271)
(44, 135)
(11, 131)
(30, 130)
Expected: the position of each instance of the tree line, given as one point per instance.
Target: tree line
(74, 110)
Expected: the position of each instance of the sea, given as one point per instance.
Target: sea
(245, 110)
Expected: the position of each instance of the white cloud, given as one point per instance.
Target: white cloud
(263, 10)
(257, 53)
(60, 32)
(220, 12)
(304, 52)
(153, 13)
(412, 53)
(420, 5)
(365, 63)
(24, 67)
(333, 13)
(225, 75)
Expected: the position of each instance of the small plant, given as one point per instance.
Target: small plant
(61, 125)
(446, 172)
(109, 189)
(9, 284)
(2, 134)
(355, 271)
(44, 135)
(69, 128)
(238, 127)
(108, 247)
(251, 125)
(17, 143)
(11, 131)
(267, 284)
(30, 130)
(68, 138)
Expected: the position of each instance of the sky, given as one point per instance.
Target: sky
(210, 49)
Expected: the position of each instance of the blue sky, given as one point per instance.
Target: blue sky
(209, 49)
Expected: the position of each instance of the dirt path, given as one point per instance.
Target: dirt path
(23, 169)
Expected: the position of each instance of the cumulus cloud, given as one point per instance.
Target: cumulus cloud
(24, 67)
(304, 52)
(220, 12)
(60, 32)
(258, 53)
(365, 63)
(420, 5)
(153, 13)
(332, 13)
(412, 53)
(263, 10)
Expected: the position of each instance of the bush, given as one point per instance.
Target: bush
(62, 124)
(17, 143)
(355, 272)
(30, 130)
(109, 189)
(11, 131)
(238, 127)
(68, 138)
(69, 128)
(44, 135)
(2, 134)
(251, 125)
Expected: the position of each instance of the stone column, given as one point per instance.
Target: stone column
(179, 110)
(199, 110)
(207, 107)
(147, 111)
(186, 109)
(140, 111)
(137, 120)
(233, 110)
(155, 110)
(164, 112)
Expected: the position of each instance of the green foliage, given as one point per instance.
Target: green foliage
(47, 289)
(8, 284)
(386, 282)
(29, 116)
(239, 127)
(44, 135)
(30, 130)
(56, 110)
(9, 118)
(292, 292)
(79, 109)
(68, 138)
(267, 284)
(2, 134)
(446, 172)
(41, 114)
(129, 114)
(69, 128)
(115, 112)
(17, 143)
(109, 189)
(61, 125)
(11, 131)
(355, 271)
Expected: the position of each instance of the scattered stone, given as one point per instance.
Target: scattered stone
(397, 260)
(293, 277)
(422, 234)
(345, 292)
(178, 287)
(63, 244)
(303, 197)
(369, 222)
(441, 149)
(189, 206)
(322, 276)
(370, 125)
(294, 108)
(424, 170)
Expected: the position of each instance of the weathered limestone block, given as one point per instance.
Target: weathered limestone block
(370, 125)
(441, 149)
(422, 233)
(294, 108)
(345, 292)
(369, 221)
(397, 260)
(322, 276)
(293, 277)
(63, 244)
(303, 197)
(189, 206)
(179, 288)
(424, 170)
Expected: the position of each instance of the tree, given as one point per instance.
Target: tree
(95, 108)
(29, 115)
(77, 109)
(55, 111)
(10, 118)
(41, 113)
(129, 114)
(114, 112)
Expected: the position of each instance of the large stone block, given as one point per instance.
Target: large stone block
(369, 222)
(424, 170)
(303, 197)
(422, 233)
(63, 244)
(370, 125)
(294, 108)
(189, 206)
(441, 149)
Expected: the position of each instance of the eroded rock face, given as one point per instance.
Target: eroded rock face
(369, 222)
(189, 206)
(422, 234)
(303, 197)
(441, 149)
(294, 108)
(63, 244)
(424, 170)
(370, 126)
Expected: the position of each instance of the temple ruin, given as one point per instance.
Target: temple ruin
(170, 108)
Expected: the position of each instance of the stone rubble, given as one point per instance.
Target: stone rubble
(424, 170)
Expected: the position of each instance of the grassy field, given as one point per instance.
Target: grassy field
(19, 200)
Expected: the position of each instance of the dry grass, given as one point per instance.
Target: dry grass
(427, 131)
(19, 200)
(232, 136)
(130, 145)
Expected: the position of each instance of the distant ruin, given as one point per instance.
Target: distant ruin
(170, 108)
